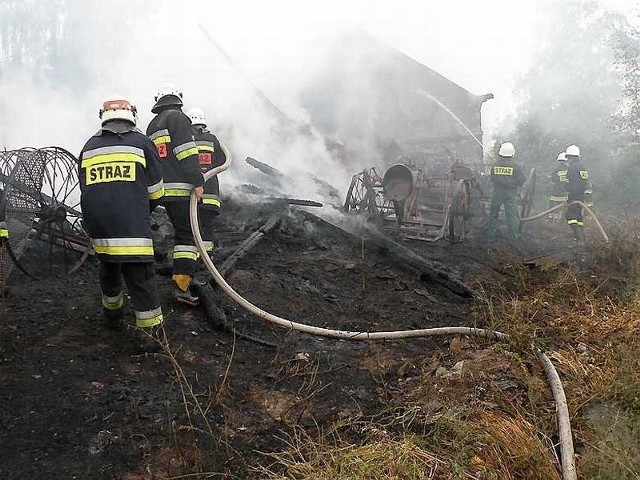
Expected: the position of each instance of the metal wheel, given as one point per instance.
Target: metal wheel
(527, 194)
(7, 162)
(361, 196)
(460, 211)
(41, 205)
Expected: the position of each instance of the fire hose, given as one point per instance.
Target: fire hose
(566, 205)
(562, 411)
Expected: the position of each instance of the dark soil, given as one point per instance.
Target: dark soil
(81, 401)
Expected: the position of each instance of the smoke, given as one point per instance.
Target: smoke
(61, 58)
(572, 90)
(131, 48)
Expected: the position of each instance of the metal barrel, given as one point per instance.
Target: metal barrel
(398, 182)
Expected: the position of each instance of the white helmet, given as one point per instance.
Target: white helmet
(562, 157)
(168, 89)
(573, 151)
(197, 116)
(507, 150)
(118, 108)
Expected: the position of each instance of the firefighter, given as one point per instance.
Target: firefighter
(577, 183)
(120, 183)
(588, 195)
(210, 155)
(4, 232)
(170, 130)
(558, 181)
(506, 177)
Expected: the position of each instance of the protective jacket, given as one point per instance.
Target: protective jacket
(4, 231)
(170, 130)
(559, 180)
(507, 174)
(120, 181)
(210, 155)
(577, 179)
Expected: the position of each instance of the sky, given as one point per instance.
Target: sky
(482, 45)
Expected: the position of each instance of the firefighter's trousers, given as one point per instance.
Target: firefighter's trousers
(574, 217)
(185, 252)
(207, 227)
(506, 196)
(141, 284)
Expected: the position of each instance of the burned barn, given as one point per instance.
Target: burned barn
(418, 139)
(376, 95)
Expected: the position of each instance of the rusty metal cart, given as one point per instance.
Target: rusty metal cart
(426, 206)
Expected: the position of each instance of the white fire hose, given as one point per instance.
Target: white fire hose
(564, 427)
(566, 205)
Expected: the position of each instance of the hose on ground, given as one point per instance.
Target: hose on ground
(567, 456)
(568, 464)
(566, 205)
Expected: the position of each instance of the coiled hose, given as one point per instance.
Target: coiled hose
(564, 426)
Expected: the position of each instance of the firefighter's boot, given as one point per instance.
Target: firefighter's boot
(150, 339)
(182, 291)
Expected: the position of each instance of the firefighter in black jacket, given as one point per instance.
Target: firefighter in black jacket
(170, 130)
(121, 182)
(210, 155)
(558, 181)
(577, 183)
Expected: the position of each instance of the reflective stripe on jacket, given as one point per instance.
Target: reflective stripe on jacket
(210, 155)
(120, 180)
(577, 179)
(558, 181)
(170, 131)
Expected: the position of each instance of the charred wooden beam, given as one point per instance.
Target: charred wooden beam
(323, 186)
(217, 318)
(294, 201)
(429, 269)
(251, 241)
(265, 168)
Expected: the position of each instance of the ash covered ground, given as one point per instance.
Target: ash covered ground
(80, 401)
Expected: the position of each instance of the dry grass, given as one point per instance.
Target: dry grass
(515, 449)
(381, 456)
(471, 427)
(590, 321)
(489, 445)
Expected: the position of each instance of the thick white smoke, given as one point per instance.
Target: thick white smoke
(91, 49)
